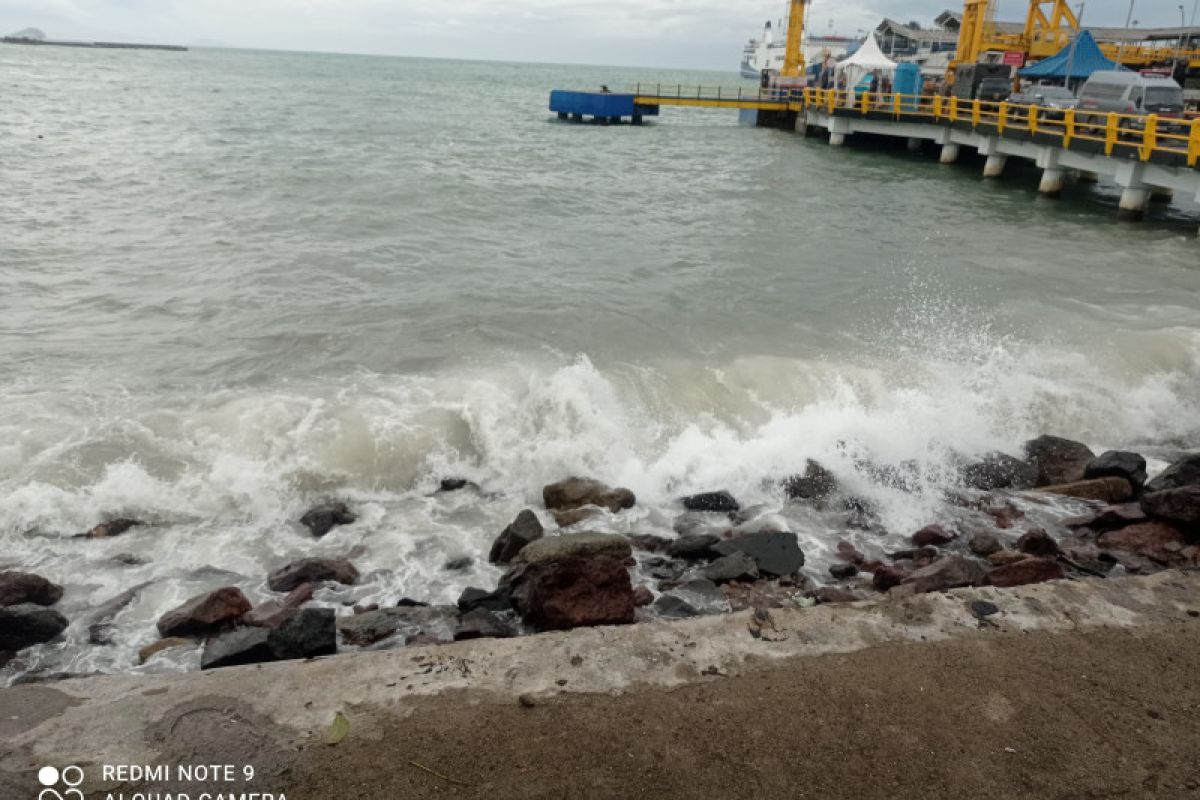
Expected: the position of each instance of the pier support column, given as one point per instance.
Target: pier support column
(1136, 194)
(950, 153)
(1053, 175)
(839, 129)
(994, 166)
(914, 145)
(802, 124)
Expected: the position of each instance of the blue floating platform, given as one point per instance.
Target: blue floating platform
(600, 106)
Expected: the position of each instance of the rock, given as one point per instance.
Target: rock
(305, 633)
(672, 607)
(273, 613)
(102, 634)
(566, 519)
(576, 545)
(110, 608)
(776, 553)
(1000, 471)
(1105, 490)
(129, 560)
(933, 536)
(362, 608)
(700, 523)
(1118, 464)
(924, 555)
(461, 564)
(151, 650)
(524, 529)
(1185, 472)
(576, 493)
(695, 548)
(1161, 542)
(448, 485)
(436, 622)
(1058, 461)
(408, 602)
(834, 594)
(572, 593)
(642, 597)
(816, 485)
(237, 648)
(843, 572)
(1177, 505)
(17, 588)
(1024, 572)
(472, 599)
(952, 572)
(312, 570)
(205, 613)
(1110, 518)
(107, 530)
(1002, 558)
(482, 624)
(722, 502)
(984, 544)
(703, 595)
(322, 519)
(27, 624)
(734, 567)
(887, 577)
(649, 543)
(849, 553)
(1038, 543)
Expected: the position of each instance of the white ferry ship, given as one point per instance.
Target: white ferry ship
(765, 53)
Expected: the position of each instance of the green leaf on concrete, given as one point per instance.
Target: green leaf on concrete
(338, 730)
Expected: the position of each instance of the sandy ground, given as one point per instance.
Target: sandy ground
(1110, 714)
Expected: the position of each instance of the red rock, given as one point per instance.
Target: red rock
(205, 614)
(1005, 557)
(1038, 543)
(312, 570)
(642, 597)
(952, 572)
(984, 545)
(849, 553)
(572, 593)
(933, 536)
(1106, 490)
(25, 587)
(1160, 542)
(1024, 572)
(887, 577)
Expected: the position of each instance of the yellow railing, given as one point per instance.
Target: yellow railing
(1149, 135)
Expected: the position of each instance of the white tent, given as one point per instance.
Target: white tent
(867, 60)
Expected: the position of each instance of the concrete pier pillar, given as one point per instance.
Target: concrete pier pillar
(1134, 200)
(839, 129)
(1053, 179)
(994, 166)
(801, 126)
(1084, 176)
(950, 153)
(837, 139)
(914, 145)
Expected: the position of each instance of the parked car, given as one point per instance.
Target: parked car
(1057, 97)
(1133, 93)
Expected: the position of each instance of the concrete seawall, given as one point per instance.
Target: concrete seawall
(275, 717)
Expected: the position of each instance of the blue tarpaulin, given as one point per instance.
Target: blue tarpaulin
(1087, 58)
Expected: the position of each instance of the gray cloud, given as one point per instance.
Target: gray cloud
(683, 33)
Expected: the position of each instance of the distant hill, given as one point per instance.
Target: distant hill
(33, 34)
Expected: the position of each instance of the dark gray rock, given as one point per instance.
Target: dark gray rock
(712, 501)
(1118, 464)
(843, 572)
(1058, 461)
(322, 519)
(816, 485)
(102, 634)
(524, 530)
(1038, 543)
(305, 633)
(312, 570)
(482, 624)
(672, 607)
(775, 552)
(237, 648)
(649, 543)
(27, 624)
(17, 588)
(107, 530)
(734, 567)
(984, 545)
(453, 484)
(435, 622)
(473, 598)
(1185, 472)
(695, 548)
(699, 523)
(1000, 471)
(1176, 505)
(459, 564)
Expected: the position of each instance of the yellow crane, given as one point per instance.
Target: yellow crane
(793, 59)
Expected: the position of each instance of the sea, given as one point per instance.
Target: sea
(236, 284)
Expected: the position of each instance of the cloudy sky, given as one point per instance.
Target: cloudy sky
(671, 33)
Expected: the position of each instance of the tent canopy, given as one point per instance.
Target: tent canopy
(1087, 59)
(868, 58)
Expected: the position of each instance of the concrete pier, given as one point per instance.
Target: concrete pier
(1053, 180)
(1134, 200)
(994, 166)
(950, 153)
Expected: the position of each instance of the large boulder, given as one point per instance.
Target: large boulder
(1058, 461)
(526, 528)
(1185, 472)
(712, 501)
(24, 587)
(951, 572)
(815, 486)
(933, 536)
(273, 612)
(27, 624)
(473, 598)
(322, 519)
(1000, 471)
(1024, 572)
(1104, 490)
(205, 614)
(482, 624)
(734, 567)
(700, 547)
(107, 530)
(312, 570)
(429, 622)
(774, 552)
(1161, 542)
(1118, 464)
(306, 633)
(572, 593)
(576, 545)
(237, 648)
(1177, 505)
(575, 493)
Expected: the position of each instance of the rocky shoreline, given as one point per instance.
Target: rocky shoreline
(723, 557)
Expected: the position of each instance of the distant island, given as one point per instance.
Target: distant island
(35, 36)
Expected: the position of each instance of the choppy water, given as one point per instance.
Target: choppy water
(235, 284)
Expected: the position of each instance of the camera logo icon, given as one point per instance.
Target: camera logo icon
(60, 784)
